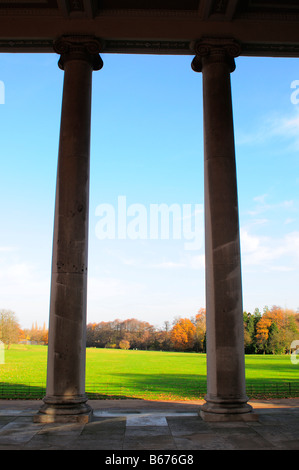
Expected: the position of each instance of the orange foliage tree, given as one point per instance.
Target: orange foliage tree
(183, 334)
(275, 330)
(262, 330)
(200, 325)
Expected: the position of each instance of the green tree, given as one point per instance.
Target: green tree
(275, 343)
(250, 330)
(276, 330)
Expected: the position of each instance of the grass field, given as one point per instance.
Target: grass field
(144, 374)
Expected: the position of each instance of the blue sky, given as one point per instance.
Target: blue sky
(147, 147)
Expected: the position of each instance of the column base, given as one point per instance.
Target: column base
(225, 410)
(62, 410)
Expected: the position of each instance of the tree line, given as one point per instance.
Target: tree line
(185, 334)
(269, 332)
(12, 333)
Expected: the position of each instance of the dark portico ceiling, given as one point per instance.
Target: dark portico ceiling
(262, 27)
(272, 6)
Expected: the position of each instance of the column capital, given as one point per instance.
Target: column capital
(211, 50)
(78, 47)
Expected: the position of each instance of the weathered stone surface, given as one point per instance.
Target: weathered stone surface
(65, 397)
(226, 395)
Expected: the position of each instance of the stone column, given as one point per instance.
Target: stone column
(65, 396)
(226, 396)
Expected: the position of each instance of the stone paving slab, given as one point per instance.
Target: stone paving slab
(121, 425)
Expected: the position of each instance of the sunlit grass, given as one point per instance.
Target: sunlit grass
(141, 374)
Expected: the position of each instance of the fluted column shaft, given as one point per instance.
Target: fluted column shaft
(226, 395)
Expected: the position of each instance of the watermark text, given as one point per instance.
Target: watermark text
(295, 93)
(294, 351)
(158, 221)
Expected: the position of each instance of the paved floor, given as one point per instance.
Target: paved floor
(137, 425)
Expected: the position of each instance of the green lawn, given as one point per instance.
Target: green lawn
(143, 374)
(147, 373)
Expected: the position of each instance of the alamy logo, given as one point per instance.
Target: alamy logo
(295, 351)
(295, 94)
(2, 92)
(158, 221)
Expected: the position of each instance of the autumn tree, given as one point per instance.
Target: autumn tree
(262, 332)
(183, 334)
(200, 330)
(100, 334)
(139, 334)
(276, 330)
(123, 344)
(162, 338)
(270, 332)
(36, 335)
(9, 327)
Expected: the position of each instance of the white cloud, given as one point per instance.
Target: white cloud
(262, 205)
(287, 127)
(270, 253)
(284, 127)
(292, 243)
(261, 199)
(197, 261)
(175, 261)
(289, 220)
(167, 265)
(25, 289)
(7, 249)
(187, 262)
(149, 300)
(111, 287)
(249, 243)
(23, 279)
